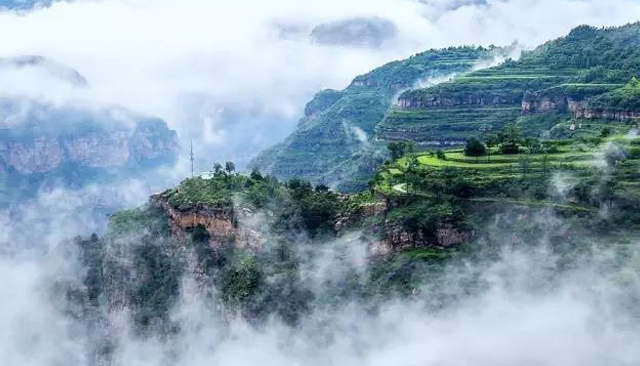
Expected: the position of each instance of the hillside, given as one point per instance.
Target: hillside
(46, 145)
(547, 90)
(246, 240)
(569, 78)
(336, 140)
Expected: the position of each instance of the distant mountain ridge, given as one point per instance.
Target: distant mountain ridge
(45, 145)
(586, 74)
(24, 4)
(53, 68)
(340, 126)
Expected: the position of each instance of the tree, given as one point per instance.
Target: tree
(412, 172)
(441, 155)
(510, 137)
(398, 149)
(605, 132)
(256, 175)
(230, 167)
(322, 188)
(533, 145)
(474, 148)
(490, 141)
(217, 169)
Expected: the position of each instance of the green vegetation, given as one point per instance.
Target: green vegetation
(328, 146)
(424, 210)
(524, 177)
(398, 149)
(546, 79)
(626, 98)
(474, 148)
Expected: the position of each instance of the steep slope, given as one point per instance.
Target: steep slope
(340, 125)
(571, 77)
(44, 144)
(586, 74)
(72, 147)
(245, 241)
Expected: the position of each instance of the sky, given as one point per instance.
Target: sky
(235, 76)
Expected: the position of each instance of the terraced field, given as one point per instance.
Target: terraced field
(469, 105)
(577, 159)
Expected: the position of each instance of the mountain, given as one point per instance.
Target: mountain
(48, 66)
(535, 217)
(355, 32)
(336, 139)
(585, 75)
(561, 80)
(256, 249)
(24, 4)
(45, 145)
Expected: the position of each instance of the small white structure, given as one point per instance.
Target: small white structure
(206, 175)
(572, 127)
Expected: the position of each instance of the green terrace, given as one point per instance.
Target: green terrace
(491, 177)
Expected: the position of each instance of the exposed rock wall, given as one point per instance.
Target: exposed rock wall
(619, 115)
(539, 102)
(41, 154)
(224, 224)
(455, 101)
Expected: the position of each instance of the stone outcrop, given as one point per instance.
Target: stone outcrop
(400, 238)
(38, 155)
(363, 212)
(619, 115)
(540, 103)
(454, 101)
(544, 102)
(225, 224)
(108, 149)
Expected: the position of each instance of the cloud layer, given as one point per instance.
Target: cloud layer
(234, 76)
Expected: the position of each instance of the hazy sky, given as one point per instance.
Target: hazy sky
(235, 75)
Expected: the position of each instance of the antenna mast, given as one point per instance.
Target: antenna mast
(192, 158)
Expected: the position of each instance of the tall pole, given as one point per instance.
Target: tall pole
(192, 158)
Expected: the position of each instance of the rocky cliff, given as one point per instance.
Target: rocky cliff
(40, 153)
(224, 224)
(340, 126)
(581, 101)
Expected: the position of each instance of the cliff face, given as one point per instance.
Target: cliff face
(619, 115)
(46, 144)
(40, 153)
(225, 224)
(340, 125)
(238, 226)
(398, 238)
(539, 103)
(481, 100)
(542, 102)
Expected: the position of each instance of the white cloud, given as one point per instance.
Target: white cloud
(220, 72)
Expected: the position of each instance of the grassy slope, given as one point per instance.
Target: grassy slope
(576, 159)
(587, 64)
(326, 146)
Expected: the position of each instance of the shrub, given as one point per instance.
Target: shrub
(509, 149)
(474, 148)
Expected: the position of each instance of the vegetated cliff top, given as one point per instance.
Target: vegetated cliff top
(587, 55)
(45, 64)
(339, 124)
(248, 235)
(341, 139)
